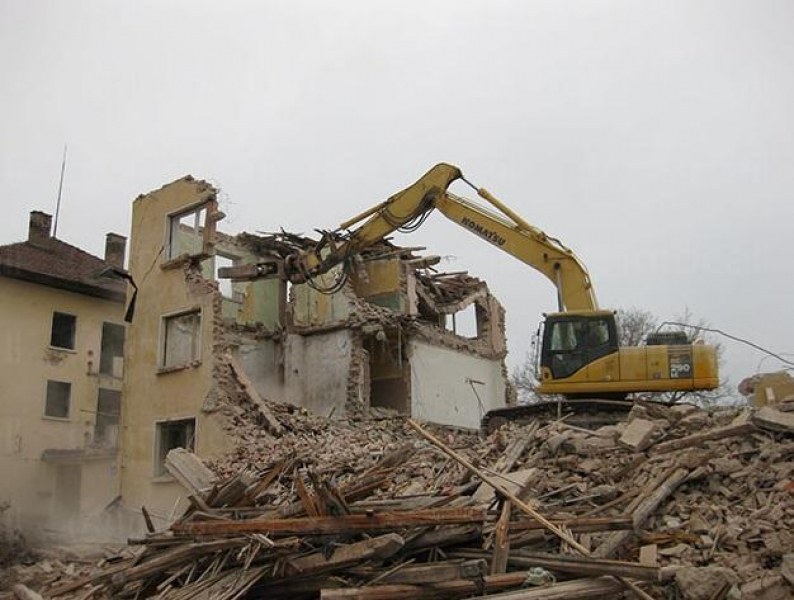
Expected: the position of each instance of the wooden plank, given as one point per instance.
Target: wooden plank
(449, 570)
(446, 536)
(578, 525)
(147, 519)
(514, 482)
(582, 589)
(515, 449)
(734, 429)
(306, 498)
(501, 549)
(584, 566)
(345, 555)
(373, 522)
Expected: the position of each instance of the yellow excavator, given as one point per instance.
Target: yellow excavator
(580, 356)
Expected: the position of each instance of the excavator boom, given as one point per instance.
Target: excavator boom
(504, 229)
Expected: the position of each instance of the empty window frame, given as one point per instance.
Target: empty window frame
(170, 435)
(186, 232)
(181, 339)
(112, 352)
(465, 323)
(225, 286)
(59, 394)
(108, 410)
(63, 330)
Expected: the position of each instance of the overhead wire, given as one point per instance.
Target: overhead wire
(729, 336)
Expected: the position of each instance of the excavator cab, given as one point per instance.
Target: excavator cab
(573, 340)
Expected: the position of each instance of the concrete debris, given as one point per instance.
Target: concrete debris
(769, 389)
(704, 583)
(638, 435)
(770, 418)
(188, 470)
(364, 507)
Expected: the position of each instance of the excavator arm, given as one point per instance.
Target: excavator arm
(407, 209)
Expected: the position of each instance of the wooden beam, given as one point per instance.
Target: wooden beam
(501, 544)
(697, 439)
(371, 522)
(349, 554)
(578, 525)
(582, 589)
(449, 570)
(584, 567)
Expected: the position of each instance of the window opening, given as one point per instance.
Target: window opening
(186, 233)
(225, 286)
(108, 410)
(63, 330)
(181, 343)
(58, 399)
(464, 322)
(111, 358)
(170, 435)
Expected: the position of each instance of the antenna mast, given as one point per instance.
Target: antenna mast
(60, 189)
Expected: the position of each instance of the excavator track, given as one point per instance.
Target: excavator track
(588, 413)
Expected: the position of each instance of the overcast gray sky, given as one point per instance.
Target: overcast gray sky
(656, 139)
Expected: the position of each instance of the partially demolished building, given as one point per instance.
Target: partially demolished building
(201, 349)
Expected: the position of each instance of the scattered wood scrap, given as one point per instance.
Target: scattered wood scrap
(391, 509)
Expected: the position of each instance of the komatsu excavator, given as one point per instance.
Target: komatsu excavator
(580, 357)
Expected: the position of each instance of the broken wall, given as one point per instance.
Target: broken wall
(453, 387)
(171, 355)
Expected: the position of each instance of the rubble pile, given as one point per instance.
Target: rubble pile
(672, 502)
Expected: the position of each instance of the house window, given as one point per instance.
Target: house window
(170, 435)
(181, 339)
(111, 361)
(63, 329)
(108, 409)
(186, 233)
(58, 398)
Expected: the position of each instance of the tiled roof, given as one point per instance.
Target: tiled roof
(58, 264)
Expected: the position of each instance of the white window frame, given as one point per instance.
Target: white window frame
(201, 235)
(196, 358)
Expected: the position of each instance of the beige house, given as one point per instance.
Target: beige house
(62, 318)
(200, 349)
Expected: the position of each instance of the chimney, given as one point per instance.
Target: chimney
(39, 226)
(115, 248)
